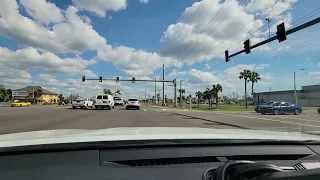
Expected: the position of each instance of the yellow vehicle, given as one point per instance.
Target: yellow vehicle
(20, 104)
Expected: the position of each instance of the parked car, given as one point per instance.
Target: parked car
(133, 103)
(281, 108)
(257, 108)
(20, 104)
(104, 101)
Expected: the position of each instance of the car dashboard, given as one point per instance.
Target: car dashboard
(155, 162)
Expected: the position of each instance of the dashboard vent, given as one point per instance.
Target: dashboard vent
(267, 157)
(167, 161)
(299, 167)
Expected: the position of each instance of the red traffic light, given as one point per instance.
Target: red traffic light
(83, 78)
(281, 32)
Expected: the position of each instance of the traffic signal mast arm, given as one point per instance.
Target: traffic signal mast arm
(291, 31)
(129, 80)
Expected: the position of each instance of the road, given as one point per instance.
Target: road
(34, 118)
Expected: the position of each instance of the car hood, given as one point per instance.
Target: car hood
(144, 133)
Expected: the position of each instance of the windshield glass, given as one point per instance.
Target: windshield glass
(207, 64)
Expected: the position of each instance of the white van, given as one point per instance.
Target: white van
(103, 101)
(118, 101)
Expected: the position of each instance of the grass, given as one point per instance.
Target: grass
(221, 107)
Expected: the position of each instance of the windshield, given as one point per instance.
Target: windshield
(219, 64)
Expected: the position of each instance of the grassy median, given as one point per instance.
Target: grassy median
(220, 107)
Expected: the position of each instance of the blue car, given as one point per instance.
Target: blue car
(281, 108)
(257, 108)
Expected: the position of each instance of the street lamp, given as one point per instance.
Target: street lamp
(294, 84)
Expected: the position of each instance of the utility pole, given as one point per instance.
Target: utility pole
(163, 99)
(294, 84)
(145, 96)
(175, 93)
(269, 20)
(155, 90)
(180, 93)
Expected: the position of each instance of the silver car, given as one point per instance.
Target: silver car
(133, 103)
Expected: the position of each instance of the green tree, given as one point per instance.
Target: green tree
(207, 95)
(9, 94)
(60, 96)
(216, 89)
(3, 93)
(107, 91)
(245, 74)
(117, 92)
(254, 78)
(199, 96)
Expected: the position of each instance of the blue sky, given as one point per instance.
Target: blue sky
(53, 43)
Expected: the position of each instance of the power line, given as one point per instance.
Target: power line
(305, 17)
(204, 27)
(213, 28)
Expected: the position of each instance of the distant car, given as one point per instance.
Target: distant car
(118, 101)
(20, 104)
(133, 103)
(319, 110)
(281, 108)
(257, 108)
(82, 103)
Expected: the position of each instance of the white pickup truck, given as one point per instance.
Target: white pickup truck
(82, 103)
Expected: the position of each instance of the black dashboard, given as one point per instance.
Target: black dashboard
(152, 163)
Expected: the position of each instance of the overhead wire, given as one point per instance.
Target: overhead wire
(298, 2)
(184, 50)
(212, 29)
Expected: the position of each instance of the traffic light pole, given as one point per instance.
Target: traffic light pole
(290, 31)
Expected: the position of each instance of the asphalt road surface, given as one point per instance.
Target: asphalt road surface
(35, 118)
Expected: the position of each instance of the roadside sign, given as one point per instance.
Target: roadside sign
(20, 93)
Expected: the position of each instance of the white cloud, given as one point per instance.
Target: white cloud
(69, 36)
(176, 73)
(274, 11)
(135, 62)
(144, 1)
(179, 36)
(207, 66)
(29, 58)
(261, 66)
(43, 11)
(48, 79)
(100, 7)
(196, 76)
(315, 75)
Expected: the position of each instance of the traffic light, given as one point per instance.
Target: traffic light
(117, 79)
(133, 80)
(281, 32)
(226, 54)
(247, 48)
(100, 78)
(83, 78)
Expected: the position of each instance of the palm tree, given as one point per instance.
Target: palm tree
(117, 92)
(254, 78)
(107, 91)
(61, 98)
(199, 96)
(207, 95)
(245, 74)
(216, 89)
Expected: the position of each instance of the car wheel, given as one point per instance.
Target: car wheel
(138, 108)
(276, 112)
(96, 107)
(20, 105)
(296, 112)
(263, 113)
(73, 107)
(112, 107)
(28, 105)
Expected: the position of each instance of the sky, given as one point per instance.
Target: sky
(53, 43)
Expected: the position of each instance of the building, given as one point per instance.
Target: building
(307, 96)
(42, 95)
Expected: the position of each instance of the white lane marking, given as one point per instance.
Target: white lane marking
(265, 119)
(144, 109)
(287, 117)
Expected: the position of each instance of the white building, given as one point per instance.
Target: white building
(307, 96)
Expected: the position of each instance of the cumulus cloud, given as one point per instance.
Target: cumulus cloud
(176, 73)
(29, 58)
(275, 7)
(135, 62)
(43, 11)
(100, 7)
(208, 44)
(144, 1)
(70, 35)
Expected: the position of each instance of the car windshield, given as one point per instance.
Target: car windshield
(207, 64)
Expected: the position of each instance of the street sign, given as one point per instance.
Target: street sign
(20, 93)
